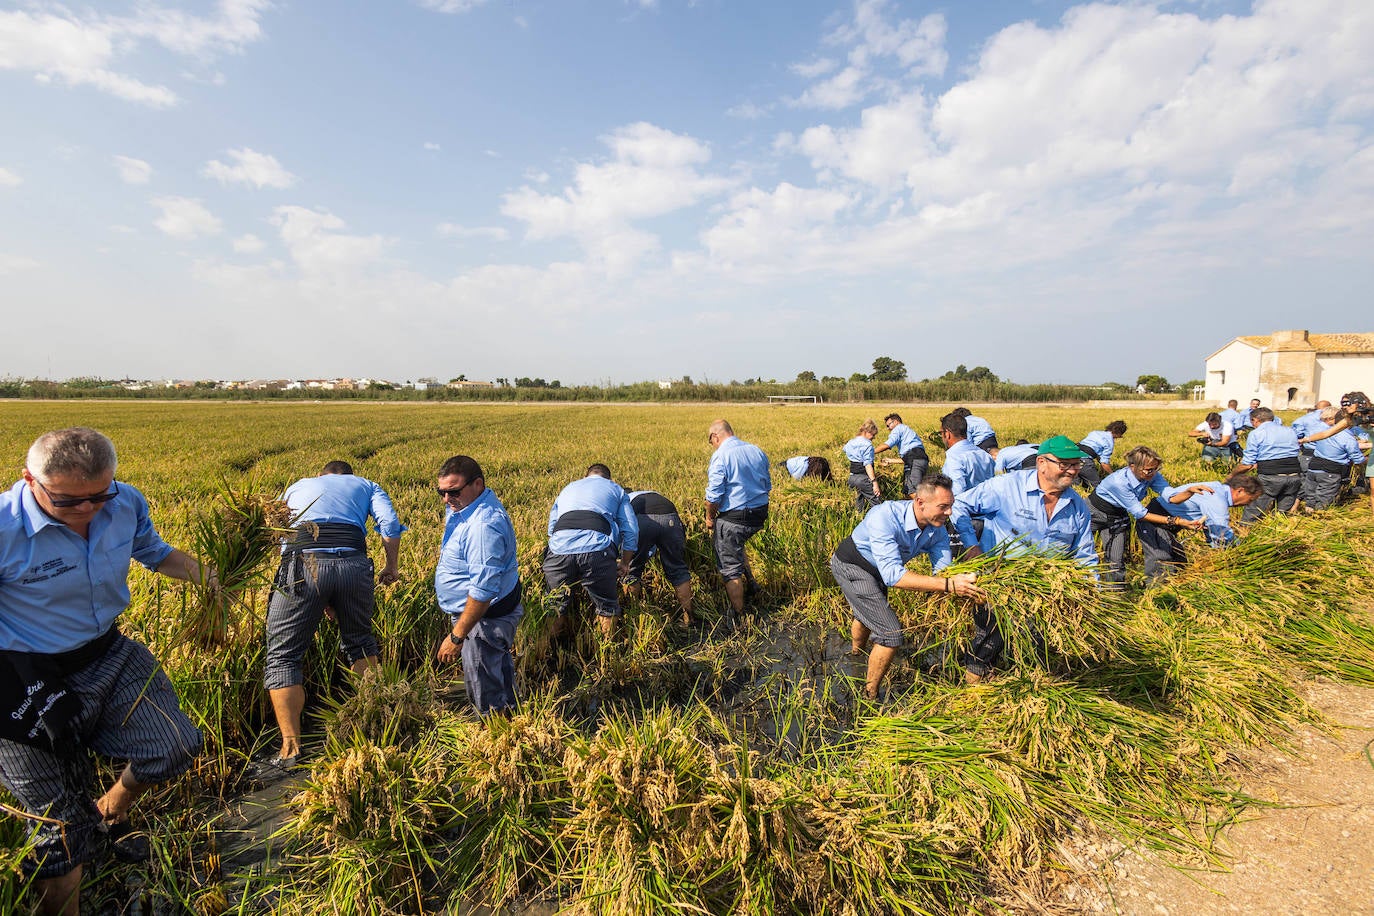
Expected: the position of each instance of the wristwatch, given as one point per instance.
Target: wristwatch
(456, 640)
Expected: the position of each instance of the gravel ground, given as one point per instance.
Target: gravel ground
(1314, 855)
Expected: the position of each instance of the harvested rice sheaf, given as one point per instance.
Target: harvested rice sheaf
(1050, 610)
(385, 708)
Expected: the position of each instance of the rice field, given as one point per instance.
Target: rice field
(707, 771)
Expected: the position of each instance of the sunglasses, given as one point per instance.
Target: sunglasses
(70, 502)
(455, 492)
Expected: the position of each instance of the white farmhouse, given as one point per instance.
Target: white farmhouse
(1291, 369)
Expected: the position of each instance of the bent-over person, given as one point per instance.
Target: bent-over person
(911, 451)
(737, 488)
(863, 475)
(661, 533)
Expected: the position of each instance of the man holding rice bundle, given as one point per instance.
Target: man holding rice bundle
(1209, 502)
(477, 582)
(324, 568)
(1032, 510)
(873, 559)
(70, 682)
(863, 476)
(1118, 499)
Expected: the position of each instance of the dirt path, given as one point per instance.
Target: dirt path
(1314, 857)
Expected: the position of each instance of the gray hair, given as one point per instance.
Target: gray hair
(79, 451)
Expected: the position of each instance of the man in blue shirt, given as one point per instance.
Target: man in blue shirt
(477, 582)
(1306, 425)
(966, 465)
(1272, 451)
(908, 445)
(1023, 511)
(1209, 502)
(324, 569)
(1016, 457)
(980, 431)
(1233, 416)
(863, 476)
(1118, 499)
(873, 559)
(1099, 446)
(1245, 424)
(737, 488)
(74, 684)
(593, 534)
(1328, 471)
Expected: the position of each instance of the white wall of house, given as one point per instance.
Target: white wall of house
(1233, 373)
(1339, 373)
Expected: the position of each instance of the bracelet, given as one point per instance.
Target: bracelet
(949, 585)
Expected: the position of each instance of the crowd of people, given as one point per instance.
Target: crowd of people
(72, 684)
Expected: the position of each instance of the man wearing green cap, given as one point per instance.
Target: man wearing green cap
(1033, 510)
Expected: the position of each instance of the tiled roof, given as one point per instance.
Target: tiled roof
(1324, 343)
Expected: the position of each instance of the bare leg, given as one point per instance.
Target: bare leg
(734, 590)
(879, 660)
(60, 896)
(858, 635)
(684, 601)
(288, 703)
(607, 625)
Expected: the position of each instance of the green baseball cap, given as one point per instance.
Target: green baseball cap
(1061, 447)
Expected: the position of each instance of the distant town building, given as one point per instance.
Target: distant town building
(1290, 369)
(466, 383)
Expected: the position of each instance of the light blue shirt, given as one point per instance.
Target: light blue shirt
(1101, 442)
(902, 439)
(1126, 491)
(797, 466)
(889, 536)
(607, 499)
(1308, 423)
(1010, 458)
(1213, 508)
(738, 476)
(1013, 511)
(343, 499)
(966, 465)
(1235, 417)
(477, 556)
(979, 430)
(1341, 448)
(59, 590)
(1269, 441)
(860, 450)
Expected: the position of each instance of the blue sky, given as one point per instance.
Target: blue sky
(597, 190)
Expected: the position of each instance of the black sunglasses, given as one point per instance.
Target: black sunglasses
(456, 491)
(69, 502)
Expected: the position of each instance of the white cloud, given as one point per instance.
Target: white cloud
(250, 168)
(319, 249)
(185, 218)
(747, 111)
(82, 50)
(9, 179)
(132, 171)
(452, 6)
(652, 172)
(875, 46)
(431, 146)
(248, 244)
(13, 264)
(455, 231)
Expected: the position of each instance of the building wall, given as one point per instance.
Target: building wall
(1337, 374)
(1233, 373)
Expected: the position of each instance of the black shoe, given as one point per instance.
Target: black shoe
(124, 842)
(273, 769)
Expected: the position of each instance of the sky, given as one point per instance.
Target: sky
(605, 191)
